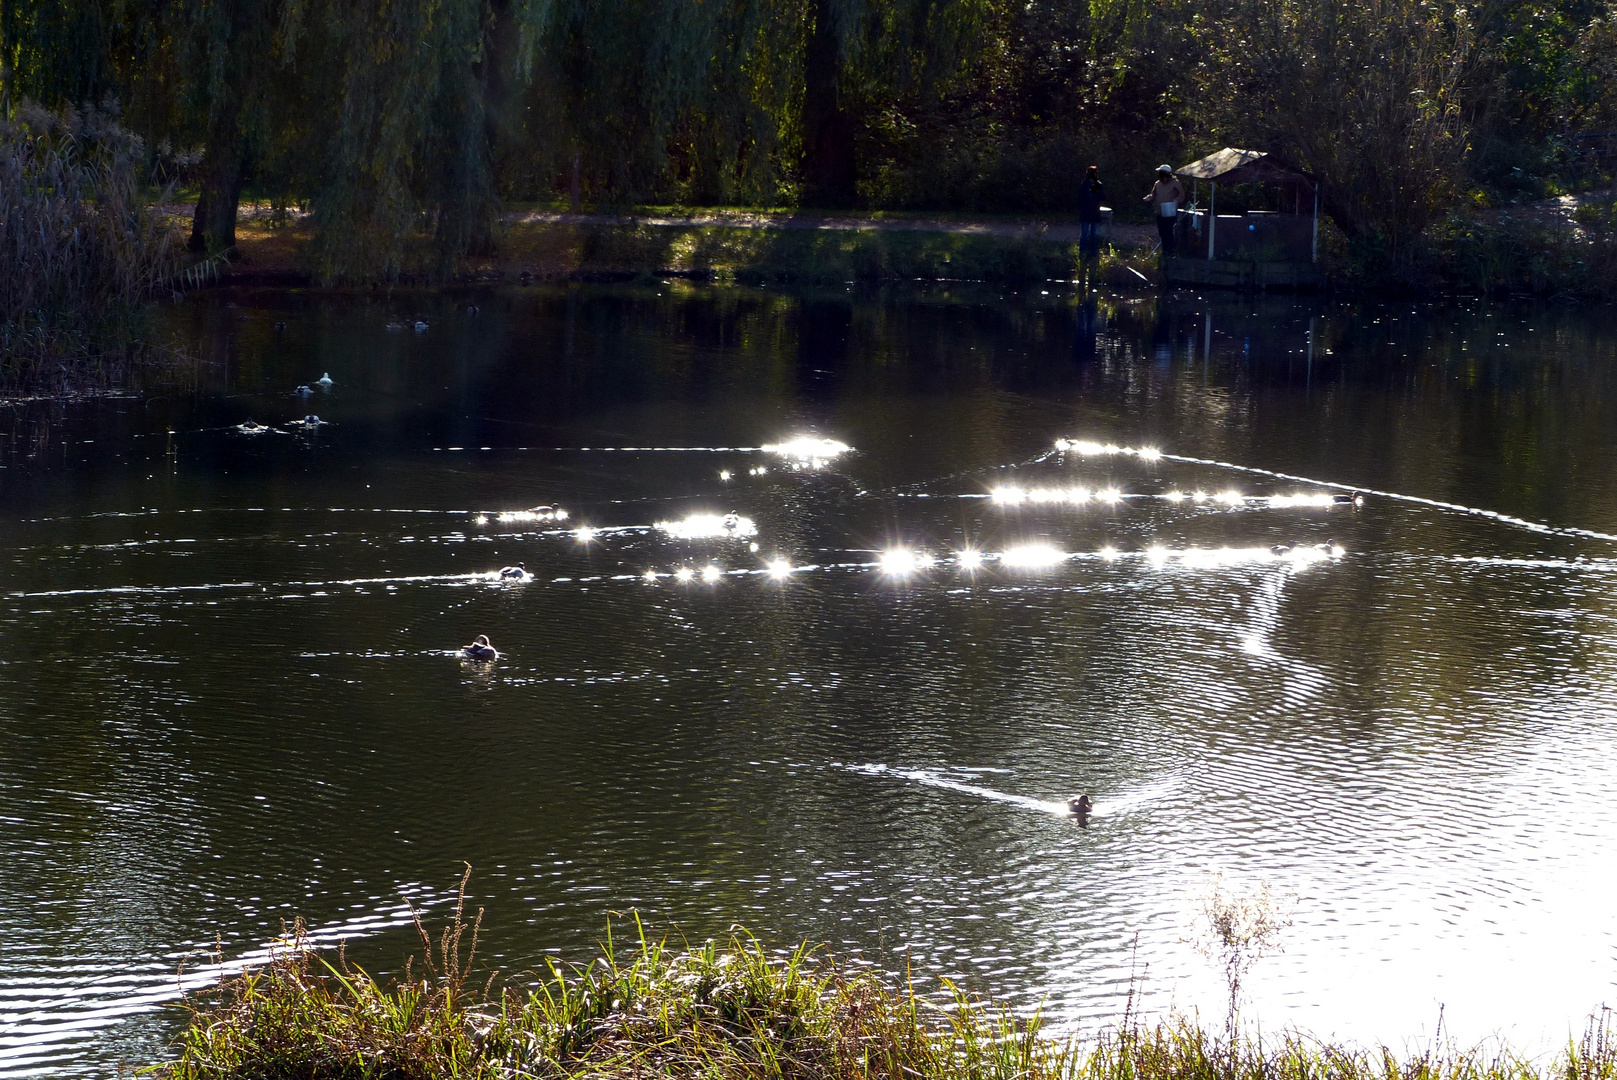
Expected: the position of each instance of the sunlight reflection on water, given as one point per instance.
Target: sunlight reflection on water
(854, 713)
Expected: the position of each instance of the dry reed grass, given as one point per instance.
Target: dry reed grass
(82, 251)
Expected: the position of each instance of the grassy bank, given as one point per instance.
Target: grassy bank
(764, 255)
(1489, 254)
(746, 253)
(730, 1010)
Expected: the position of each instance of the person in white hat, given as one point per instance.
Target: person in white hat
(1166, 196)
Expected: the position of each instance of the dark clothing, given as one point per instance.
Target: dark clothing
(1089, 239)
(1165, 230)
(1090, 194)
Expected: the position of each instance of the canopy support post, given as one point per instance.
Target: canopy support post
(1316, 221)
(1212, 218)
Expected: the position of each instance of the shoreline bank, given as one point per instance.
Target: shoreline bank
(734, 1009)
(1561, 248)
(739, 246)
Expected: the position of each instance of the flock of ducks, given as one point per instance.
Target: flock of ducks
(481, 651)
(420, 325)
(253, 427)
(1328, 547)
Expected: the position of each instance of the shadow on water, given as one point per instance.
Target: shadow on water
(231, 697)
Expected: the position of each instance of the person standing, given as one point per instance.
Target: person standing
(1166, 196)
(1090, 193)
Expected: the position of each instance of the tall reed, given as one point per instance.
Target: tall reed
(82, 251)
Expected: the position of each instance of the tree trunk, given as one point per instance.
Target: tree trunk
(199, 227)
(828, 160)
(213, 227)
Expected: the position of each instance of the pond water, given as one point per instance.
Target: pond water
(231, 695)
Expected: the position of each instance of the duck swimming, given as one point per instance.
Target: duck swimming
(1355, 497)
(732, 520)
(480, 650)
(1080, 805)
(514, 573)
(1280, 549)
(303, 390)
(251, 427)
(324, 381)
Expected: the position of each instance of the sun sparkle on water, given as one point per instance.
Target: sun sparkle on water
(899, 562)
(1090, 448)
(708, 526)
(1032, 556)
(808, 448)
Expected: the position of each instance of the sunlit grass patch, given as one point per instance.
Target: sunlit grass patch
(762, 254)
(730, 1009)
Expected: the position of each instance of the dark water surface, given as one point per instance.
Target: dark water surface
(229, 694)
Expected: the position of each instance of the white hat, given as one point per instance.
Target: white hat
(1165, 168)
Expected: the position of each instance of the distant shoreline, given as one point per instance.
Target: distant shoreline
(1542, 249)
(735, 245)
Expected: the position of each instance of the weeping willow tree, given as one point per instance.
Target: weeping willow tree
(56, 51)
(428, 112)
(409, 114)
(663, 98)
(863, 56)
(231, 49)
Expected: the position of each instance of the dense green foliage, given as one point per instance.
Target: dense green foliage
(732, 1011)
(402, 125)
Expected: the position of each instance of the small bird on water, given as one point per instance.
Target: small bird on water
(1080, 805)
(520, 570)
(480, 650)
(324, 381)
